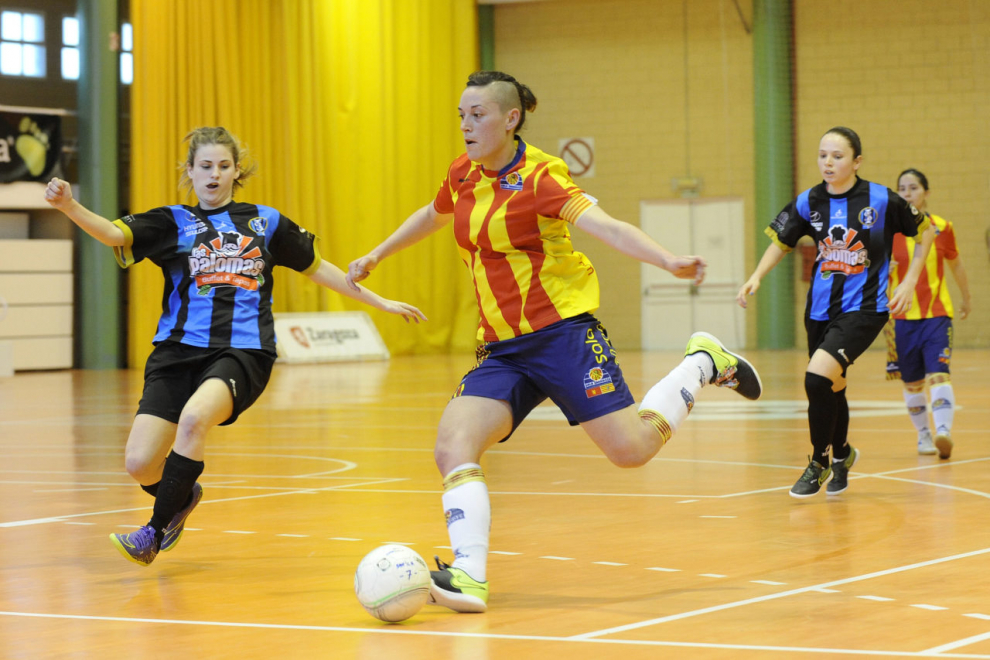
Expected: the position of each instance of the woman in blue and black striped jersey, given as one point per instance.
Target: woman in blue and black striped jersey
(853, 223)
(215, 345)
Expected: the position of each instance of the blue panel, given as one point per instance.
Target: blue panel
(169, 317)
(188, 225)
(244, 330)
(272, 217)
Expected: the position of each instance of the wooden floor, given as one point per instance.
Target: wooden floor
(700, 554)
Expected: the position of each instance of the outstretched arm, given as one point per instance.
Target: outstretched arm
(417, 226)
(904, 293)
(962, 311)
(636, 243)
(334, 279)
(59, 195)
(771, 257)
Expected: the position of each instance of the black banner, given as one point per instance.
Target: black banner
(30, 145)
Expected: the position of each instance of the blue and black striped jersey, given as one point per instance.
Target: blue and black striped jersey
(854, 233)
(218, 269)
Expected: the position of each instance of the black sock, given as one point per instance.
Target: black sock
(152, 489)
(822, 411)
(178, 477)
(840, 443)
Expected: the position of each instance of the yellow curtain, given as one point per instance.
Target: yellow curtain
(348, 106)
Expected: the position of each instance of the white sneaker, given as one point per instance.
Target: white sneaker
(926, 446)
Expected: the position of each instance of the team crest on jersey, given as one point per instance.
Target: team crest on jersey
(597, 382)
(511, 181)
(258, 225)
(868, 217)
(841, 252)
(227, 261)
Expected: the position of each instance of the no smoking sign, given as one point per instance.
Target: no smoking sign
(579, 154)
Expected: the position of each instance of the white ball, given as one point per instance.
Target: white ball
(392, 582)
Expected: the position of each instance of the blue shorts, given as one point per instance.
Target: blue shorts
(924, 346)
(572, 362)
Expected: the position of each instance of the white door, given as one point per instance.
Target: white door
(673, 308)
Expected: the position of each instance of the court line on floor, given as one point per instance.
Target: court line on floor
(55, 519)
(778, 595)
(495, 636)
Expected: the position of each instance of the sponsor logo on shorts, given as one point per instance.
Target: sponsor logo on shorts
(597, 382)
(233, 386)
(453, 515)
(945, 356)
(688, 399)
(842, 352)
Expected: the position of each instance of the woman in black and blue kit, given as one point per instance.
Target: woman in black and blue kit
(853, 223)
(215, 344)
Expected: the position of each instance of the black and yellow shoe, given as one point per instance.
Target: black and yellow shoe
(840, 473)
(731, 369)
(814, 477)
(453, 588)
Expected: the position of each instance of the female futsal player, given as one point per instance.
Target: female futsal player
(923, 333)
(853, 222)
(215, 344)
(511, 206)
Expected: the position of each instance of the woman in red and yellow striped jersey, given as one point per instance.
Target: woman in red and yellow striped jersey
(919, 341)
(512, 207)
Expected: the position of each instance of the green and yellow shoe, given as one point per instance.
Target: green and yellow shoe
(453, 588)
(731, 369)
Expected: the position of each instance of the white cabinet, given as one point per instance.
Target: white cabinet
(36, 281)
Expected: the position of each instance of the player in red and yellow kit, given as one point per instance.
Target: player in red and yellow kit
(919, 341)
(512, 207)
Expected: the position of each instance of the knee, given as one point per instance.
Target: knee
(139, 465)
(817, 387)
(626, 454)
(448, 452)
(628, 459)
(192, 423)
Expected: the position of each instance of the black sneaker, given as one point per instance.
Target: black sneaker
(814, 477)
(840, 473)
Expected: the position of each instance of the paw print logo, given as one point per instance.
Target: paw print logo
(32, 146)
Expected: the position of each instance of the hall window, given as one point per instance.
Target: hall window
(22, 44)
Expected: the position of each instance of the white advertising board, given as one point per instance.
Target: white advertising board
(328, 337)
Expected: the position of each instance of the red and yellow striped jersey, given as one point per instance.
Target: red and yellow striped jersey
(512, 232)
(931, 295)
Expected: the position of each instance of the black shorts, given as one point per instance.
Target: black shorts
(174, 371)
(845, 337)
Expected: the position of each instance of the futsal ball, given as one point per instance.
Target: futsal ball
(392, 582)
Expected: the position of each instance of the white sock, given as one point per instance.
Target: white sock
(673, 397)
(469, 518)
(917, 410)
(943, 407)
